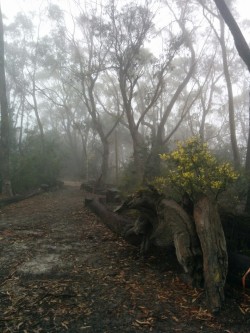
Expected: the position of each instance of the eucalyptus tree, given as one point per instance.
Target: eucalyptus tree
(32, 62)
(91, 46)
(24, 50)
(141, 76)
(61, 104)
(130, 27)
(184, 71)
(204, 117)
(5, 120)
(206, 96)
(244, 52)
(221, 37)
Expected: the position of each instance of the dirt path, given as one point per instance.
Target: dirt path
(61, 271)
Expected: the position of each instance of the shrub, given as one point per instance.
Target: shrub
(32, 166)
(192, 169)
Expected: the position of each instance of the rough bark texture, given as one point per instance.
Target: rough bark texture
(213, 244)
(200, 244)
(187, 245)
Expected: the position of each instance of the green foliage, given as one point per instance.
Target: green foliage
(35, 166)
(192, 169)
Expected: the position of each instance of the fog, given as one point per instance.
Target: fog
(98, 91)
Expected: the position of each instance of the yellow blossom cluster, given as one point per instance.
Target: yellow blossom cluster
(192, 168)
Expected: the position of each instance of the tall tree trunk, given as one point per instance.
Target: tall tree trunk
(139, 154)
(231, 112)
(5, 124)
(20, 137)
(239, 40)
(137, 139)
(244, 52)
(105, 160)
(235, 149)
(72, 142)
(38, 119)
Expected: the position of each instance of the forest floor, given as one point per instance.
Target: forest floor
(62, 270)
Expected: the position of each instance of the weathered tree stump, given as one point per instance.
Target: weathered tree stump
(199, 242)
(187, 244)
(213, 244)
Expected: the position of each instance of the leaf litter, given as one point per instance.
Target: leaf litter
(61, 270)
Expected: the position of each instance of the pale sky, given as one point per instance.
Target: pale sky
(243, 8)
(11, 7)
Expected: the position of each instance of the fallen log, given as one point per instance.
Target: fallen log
(120, 225)
(17, 198)
(200, 245)
(57, 184)
(162, 225)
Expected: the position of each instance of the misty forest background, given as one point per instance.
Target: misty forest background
(99, 90)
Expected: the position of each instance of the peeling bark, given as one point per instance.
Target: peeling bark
(187, 245)
(215, 260)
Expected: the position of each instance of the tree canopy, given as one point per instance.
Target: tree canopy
(113, 86)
